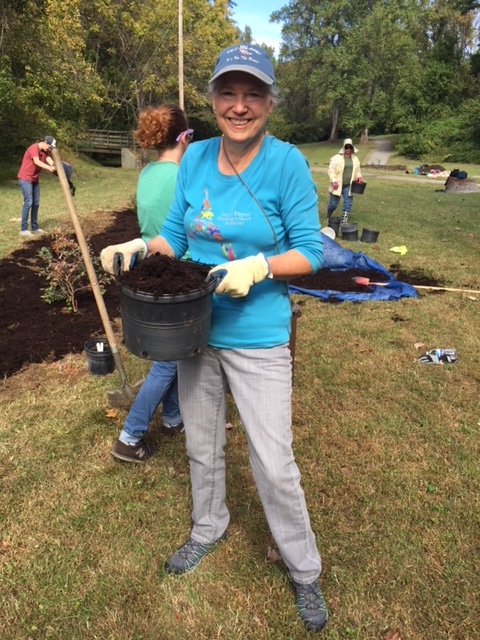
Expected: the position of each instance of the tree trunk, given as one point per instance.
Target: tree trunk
(364, 135)
(333, 130)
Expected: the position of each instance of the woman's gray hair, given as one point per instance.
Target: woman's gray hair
(213, 88)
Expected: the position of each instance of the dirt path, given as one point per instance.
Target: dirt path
(381, 154)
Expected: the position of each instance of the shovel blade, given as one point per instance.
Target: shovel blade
(124, 397)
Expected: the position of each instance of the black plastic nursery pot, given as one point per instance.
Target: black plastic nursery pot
(358, 187)
(369, 236)
(349, 231)
(334, 223)
(170, 327)
(100, 359)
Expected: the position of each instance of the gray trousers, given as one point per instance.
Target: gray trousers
(260, 381)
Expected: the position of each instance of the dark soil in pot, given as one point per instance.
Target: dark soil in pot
(160, 275)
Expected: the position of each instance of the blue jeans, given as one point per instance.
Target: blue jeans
(31, 201)
(160, 386)
(335, 200)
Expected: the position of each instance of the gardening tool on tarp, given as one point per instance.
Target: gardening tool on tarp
(125, 395)
(367, 282)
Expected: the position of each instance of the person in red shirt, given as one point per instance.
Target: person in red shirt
(35, 158)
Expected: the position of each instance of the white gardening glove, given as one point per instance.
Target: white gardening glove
(120, 257)
(238, 276)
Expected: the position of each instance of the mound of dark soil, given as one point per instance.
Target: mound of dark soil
(34, 331)
(342, 281)
(426, 168)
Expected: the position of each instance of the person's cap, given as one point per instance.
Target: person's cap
(51, 141)
(348, 142)
(247, 58)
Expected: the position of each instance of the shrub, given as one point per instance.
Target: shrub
(454, 138)
(66, 273)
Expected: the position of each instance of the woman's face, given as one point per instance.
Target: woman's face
(348, 150)
(241, 104)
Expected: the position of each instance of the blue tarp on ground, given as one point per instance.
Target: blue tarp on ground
(336, 258)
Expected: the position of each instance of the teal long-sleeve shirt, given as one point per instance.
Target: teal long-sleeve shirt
(218, 220)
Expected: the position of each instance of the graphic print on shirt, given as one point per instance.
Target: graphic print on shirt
(204, 224)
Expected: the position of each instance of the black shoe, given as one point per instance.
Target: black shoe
(311, 606)
(189, 555)
(170, 430)
(139, 453)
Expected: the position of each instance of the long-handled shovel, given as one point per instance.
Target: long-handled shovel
(367, 282)
(125, 395)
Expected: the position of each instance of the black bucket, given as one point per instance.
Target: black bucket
(100, 362)
(168, 327)
(369, 236)
(334, 223)
(349, 231)
(358, 187)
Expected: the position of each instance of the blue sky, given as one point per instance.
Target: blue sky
(256, 14)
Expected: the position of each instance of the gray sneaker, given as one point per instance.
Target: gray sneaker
(138, 453)
(26, 233)
(37, 231)
(189, 555)
(311, 606)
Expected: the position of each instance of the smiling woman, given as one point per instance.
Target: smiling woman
(247, 204)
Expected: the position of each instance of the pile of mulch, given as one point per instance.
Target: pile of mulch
(33, 331)
(426, 168)
(342, 281)
(160, 275)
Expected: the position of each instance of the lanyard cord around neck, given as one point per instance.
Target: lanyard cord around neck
(252, 196)
(258, 205)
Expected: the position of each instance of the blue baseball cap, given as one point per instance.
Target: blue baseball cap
(247, 58)
(51, 141)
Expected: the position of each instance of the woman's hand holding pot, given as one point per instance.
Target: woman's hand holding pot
(121, 257)
(238, 276)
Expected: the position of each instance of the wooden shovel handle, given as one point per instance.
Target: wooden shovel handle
(444, 289)
(92, 276)
(367, 282)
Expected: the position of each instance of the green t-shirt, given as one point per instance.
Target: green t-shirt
(155, 191)
(347, 171)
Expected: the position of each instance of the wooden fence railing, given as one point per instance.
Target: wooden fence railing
(106, 141)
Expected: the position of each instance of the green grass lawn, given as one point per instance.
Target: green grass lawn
(97, 188)
(388, 450)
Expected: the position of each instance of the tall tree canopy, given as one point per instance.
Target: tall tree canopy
(373, 65)
(345, 68)
(94, 63)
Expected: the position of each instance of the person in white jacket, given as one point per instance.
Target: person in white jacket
(344, 168)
